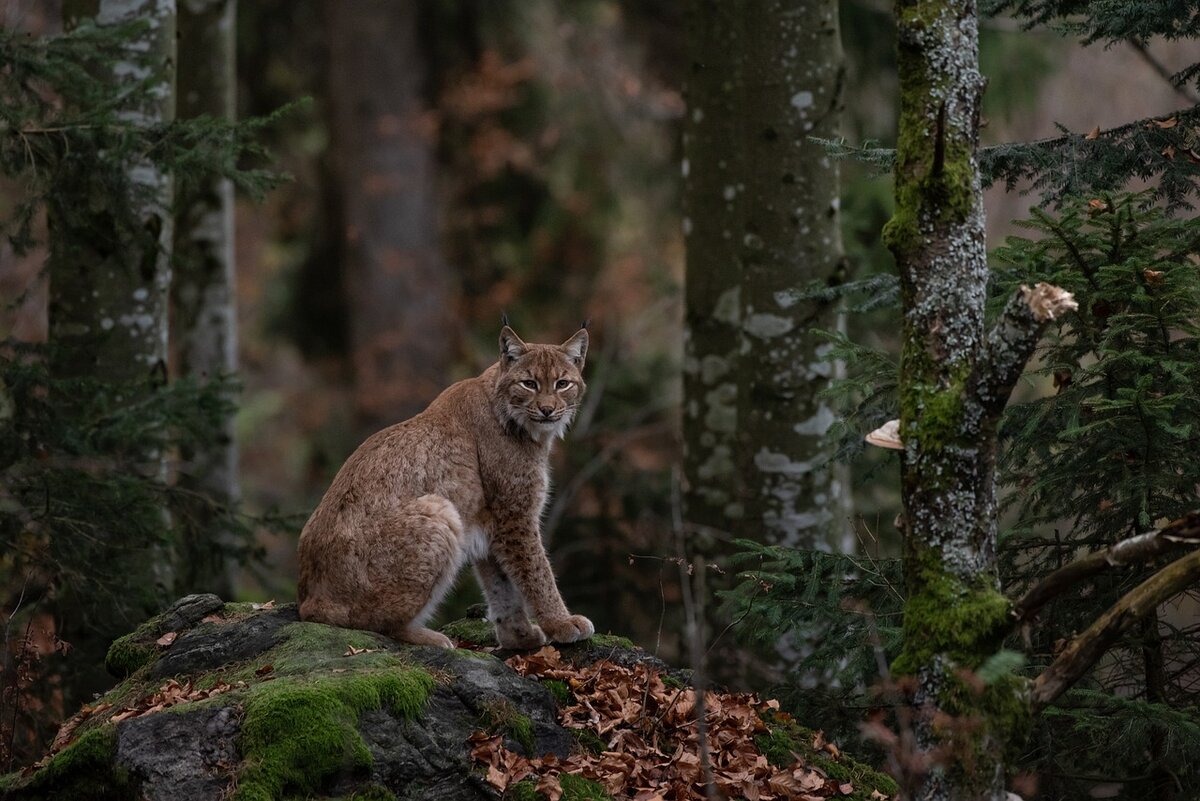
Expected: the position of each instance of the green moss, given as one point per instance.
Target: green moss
(472, 630)
(577, 788)
(84, 769)
(609, 641)
(785, 740)
(942, 615)
(672, 682)
(588, 740)
(524, 790)
(298, 733)
(559, 689)
(501, 716)
(133, 651)
(372, 792)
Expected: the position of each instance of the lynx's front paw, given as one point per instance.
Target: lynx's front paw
(568, 629)
(521, 638)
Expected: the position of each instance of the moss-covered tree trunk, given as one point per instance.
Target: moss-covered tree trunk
(712, 169)
(955, 378)
(110, 271)
(204, 312)
(400, 289)
(788, 195)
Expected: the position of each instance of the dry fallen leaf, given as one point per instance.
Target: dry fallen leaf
(264, 670)
(352, 651)
(1169, 122)
(1153, 276)
(1094, 133)
(167, 638)
(268, 605)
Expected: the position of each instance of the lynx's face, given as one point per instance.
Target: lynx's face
(541, 385)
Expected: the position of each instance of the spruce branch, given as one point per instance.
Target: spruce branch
(1162, 150)
(1086, 649)
(1140, 548)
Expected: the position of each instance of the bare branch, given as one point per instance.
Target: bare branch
(1012, 339)
(1141, 548)
(1084, 650)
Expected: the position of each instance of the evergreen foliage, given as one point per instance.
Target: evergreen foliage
(79, 490)
(1109, 453)
(1101, 447)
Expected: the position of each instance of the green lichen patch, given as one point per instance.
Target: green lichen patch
(84, 769)
(298, 733)
(500, 716)
(476, 631)
(785, 740)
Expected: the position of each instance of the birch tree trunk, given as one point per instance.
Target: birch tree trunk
(399, 287)
(204, 312)
(109, 280)
(761, 219)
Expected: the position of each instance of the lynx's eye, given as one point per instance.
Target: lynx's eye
(529, 383)
(562, 383)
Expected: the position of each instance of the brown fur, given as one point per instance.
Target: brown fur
(463, 481)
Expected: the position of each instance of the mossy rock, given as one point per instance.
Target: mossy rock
(305, 710)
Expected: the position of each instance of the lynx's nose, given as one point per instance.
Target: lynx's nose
(547, 411)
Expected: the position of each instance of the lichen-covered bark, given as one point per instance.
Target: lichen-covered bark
(204, 313)
(954, 614)
(712, 169)
(382, 140)
(108, 293)
(788, 199)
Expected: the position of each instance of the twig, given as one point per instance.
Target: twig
(1161, 70)
(1084, 650)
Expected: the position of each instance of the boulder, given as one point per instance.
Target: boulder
(246, 702)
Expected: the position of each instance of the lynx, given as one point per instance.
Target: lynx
(463, 481)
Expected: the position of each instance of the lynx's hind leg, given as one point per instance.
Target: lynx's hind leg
(506, 608)
(412, 567)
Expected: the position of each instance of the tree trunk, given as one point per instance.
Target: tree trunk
(955, 616)
(108, 303)
(204, 313)
(788, 196)
(761, 219)
(399, 288)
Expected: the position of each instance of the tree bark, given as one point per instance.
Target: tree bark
(203, 293)
(399, 288)
(788, 198)
(108, 303)
(761, 218)
(712, 169)
(955, 616)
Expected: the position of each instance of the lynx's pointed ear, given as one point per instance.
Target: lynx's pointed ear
(511, 346)
(576, 347)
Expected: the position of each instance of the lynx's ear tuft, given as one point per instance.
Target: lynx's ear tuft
(511, 346)
(503, 317)
(576, 347)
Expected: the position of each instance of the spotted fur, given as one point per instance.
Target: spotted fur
(464, 481)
